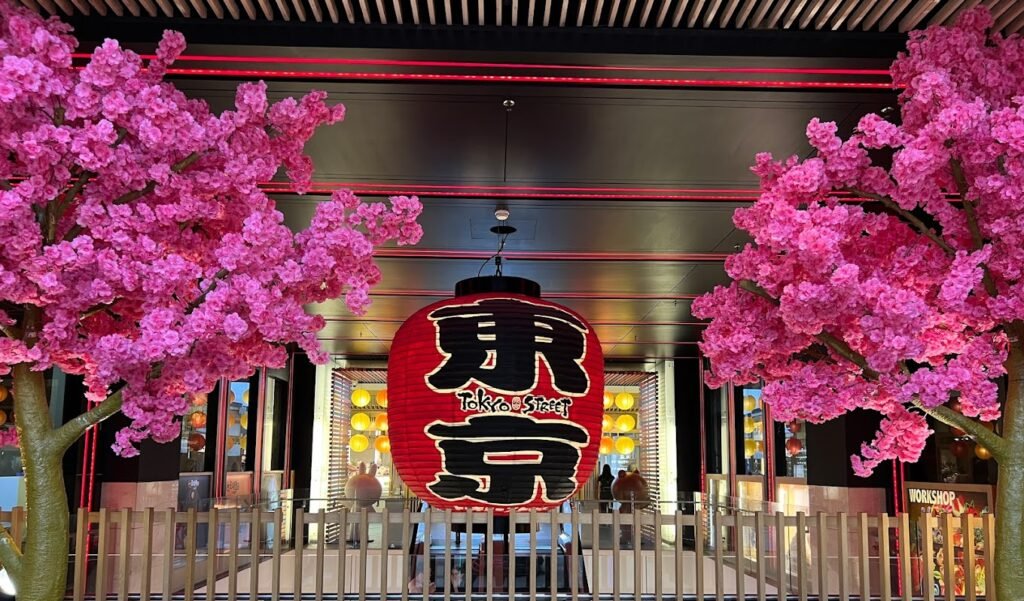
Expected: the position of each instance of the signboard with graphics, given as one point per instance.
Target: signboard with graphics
(495, 401)
(938, 499)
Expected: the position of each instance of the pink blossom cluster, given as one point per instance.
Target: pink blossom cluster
(914, 308)
(136, 229)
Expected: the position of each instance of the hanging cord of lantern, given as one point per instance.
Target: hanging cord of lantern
(503, 231)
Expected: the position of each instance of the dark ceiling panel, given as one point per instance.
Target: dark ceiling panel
(696, 138)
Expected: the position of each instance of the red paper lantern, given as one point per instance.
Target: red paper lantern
(793, 446)
(496, 401)
(959, 448)
(196, 441)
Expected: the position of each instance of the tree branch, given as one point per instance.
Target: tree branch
(910, 218)
(835, 343)
(987, 438)
(62, 438)
(10, 555)
(134, 195)
(972, 222)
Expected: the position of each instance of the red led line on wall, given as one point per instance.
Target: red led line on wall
(415, 253)
(527, 79)
(384, 62)
(562, 295)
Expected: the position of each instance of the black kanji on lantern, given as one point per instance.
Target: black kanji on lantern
(500, 459)
(498, 343)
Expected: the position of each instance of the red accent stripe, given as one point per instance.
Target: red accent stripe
(418, 253)
(698, 324)
(304, 60)
(563, 295)
(530, 79)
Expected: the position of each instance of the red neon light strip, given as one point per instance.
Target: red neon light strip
(698, 324)
(501, 187)
(530, 79)
(573, 295)
(304, 60)
(608, 343)
(415, 253)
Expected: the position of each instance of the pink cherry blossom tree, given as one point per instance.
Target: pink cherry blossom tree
(910, 304)
(140, 251)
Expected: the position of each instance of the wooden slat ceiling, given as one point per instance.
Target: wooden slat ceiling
(835, 15)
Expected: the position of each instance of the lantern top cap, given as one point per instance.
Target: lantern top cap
(497, 284)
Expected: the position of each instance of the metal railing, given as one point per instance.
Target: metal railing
(577, 555)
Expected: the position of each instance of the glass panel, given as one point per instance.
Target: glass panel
(753, 430)
(236, 439)
(198, 433)
(796, 449)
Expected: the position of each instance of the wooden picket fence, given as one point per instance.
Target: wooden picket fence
(155, 555)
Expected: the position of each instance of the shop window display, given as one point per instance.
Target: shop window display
(368, 440)
(620, 432)
(795, 435)
(753, 432)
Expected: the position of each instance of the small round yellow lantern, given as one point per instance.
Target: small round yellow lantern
(382, 397)
(380, 422)
(749, 425)
(245, 397)
(3, 395)
(625, 423)
(360, 397)
(244, 421)
(982, 453)
(607, 423)
(358, 443)
(360, 422)
(609, 400)
(382, 444)
(624, 445)
(749, 403)
(3, 417)
(607, 445)
(624, 401)
(749, 448)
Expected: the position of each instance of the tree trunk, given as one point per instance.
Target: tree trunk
(42, 575)
(1009, 509)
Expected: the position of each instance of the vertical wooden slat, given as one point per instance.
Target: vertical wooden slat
(616, 535)
(741, 569)
(190, 553)
(427, 579)
(967, 533)
(553, 567)
(533, 555)
(321, 542)
(275, 557)
(927, 561)
(780, 558)
(574, 564)
(490, 554)
(801, 556)
(595, 553)
(657, 552)
(82, 554)
(638, 566)
(146, 560)
(447, 553)
(124, 552)
(719, 560)
(406, 536)
(865, 556)
(343, 551)
(822, 556)
(512, 527)
(844, 556)
(168, 552)
(698, 550)
(364, 535)
(298, 547)
(233, 555)
(884, 568)
(948, 571)
(211, 553)
(990, 550)
(469, 553)
(761, 564)
(679, 581)
(254, 551)
(101, 555)
(904, 541)
(385, 551)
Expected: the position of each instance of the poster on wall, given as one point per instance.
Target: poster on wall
(495, 401)
(923, 499)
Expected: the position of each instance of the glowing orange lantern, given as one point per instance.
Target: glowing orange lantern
(607, 445)
(198, 419)
(382, 444)
(382, 397)
(381, 422)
